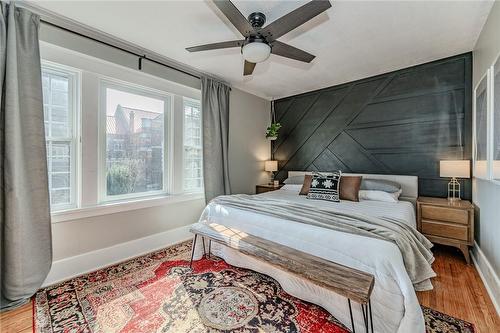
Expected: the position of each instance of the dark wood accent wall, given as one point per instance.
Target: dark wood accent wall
(401, 122)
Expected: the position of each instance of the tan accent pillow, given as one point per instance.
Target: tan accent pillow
(307, 185)
(349, 187)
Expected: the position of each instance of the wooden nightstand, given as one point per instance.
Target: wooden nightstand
(267, 188)
(445, 222)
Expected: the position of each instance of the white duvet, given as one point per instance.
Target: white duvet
(394, 302)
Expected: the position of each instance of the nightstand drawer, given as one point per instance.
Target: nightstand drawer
(447, 230)
(445, 214)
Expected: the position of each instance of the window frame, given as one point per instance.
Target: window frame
(188, 100)
(491, 124)
(74, 103)
(489, 75)
(485, 76)
(107, 82)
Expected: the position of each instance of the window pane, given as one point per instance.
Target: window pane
(57, 112)
(134, 142)
(193, 150)
(59, 167)
(496, 123)
(56, 108)
(481, 128)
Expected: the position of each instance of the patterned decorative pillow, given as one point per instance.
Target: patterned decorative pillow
(325, 187)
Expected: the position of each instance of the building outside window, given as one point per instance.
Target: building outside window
(135, 141)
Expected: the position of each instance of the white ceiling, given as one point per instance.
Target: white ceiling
(351, 40)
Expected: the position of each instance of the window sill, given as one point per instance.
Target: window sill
(122, 206)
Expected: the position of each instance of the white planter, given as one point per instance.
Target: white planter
(272, 138)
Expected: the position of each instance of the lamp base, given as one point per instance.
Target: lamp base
(454, 190)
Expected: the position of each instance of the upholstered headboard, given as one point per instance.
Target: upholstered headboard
(409, 184)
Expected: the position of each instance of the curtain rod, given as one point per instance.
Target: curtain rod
(56, 20)
(140, 56)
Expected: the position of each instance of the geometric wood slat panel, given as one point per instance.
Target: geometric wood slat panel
(402, 122)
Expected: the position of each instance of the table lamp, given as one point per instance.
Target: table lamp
(272, 166)
(454, 169)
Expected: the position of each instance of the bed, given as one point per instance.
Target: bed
(394, 302)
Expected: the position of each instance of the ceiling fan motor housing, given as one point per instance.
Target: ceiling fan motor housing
(257, 19)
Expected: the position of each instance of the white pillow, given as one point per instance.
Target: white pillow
(379, 195)
(292, 187)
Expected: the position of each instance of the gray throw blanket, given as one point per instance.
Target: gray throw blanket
(414, 247)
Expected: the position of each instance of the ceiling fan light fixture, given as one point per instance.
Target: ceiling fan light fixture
(256, 52)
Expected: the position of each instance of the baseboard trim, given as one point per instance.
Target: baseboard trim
(68, 268)
(488, 275)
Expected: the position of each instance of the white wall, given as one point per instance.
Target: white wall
(249, 117)
(486, 194)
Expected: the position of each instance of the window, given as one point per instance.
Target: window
(496, 121)
(481, 128)
(115, 137)
(60, 117)
(193, 150)
(135, 141)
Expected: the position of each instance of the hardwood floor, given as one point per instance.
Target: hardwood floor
(458, 291)
(19, 320)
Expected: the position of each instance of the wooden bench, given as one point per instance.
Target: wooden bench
(351, 283)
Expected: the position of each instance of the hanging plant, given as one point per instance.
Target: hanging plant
(272, 131)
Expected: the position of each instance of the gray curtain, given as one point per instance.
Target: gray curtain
(215, 108)
(26, 246)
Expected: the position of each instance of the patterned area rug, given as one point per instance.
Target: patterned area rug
(159, 293)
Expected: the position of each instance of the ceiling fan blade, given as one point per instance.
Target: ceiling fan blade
(215, 46)
(248, 69)
(294, 19)
(234, 16)
(291, 52)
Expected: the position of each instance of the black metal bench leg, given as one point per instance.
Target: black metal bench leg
(365, 316)
(204, 248)
(192, 251)
(350, 313)
(371, 317)
(209, 248)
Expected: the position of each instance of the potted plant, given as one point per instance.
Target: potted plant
(272, 131)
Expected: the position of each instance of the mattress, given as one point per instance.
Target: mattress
(394, 303)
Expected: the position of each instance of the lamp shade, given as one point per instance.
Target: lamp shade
(454, 168)
(271, 166)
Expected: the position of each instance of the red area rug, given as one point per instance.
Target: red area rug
(159, 293)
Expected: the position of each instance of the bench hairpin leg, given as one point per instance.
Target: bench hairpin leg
(364, 308)
(204, 249)
(209, 248)
(350, 313)
(192, 251)
(371, 317)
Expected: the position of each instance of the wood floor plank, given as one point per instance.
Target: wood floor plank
(458, 291)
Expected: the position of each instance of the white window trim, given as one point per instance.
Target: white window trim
(106, 82)
(91, 70)
(490, 125)
(486, 76)
(74, 90)
(197, 102)
(123, 206)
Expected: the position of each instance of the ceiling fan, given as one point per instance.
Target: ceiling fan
(261, 41)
